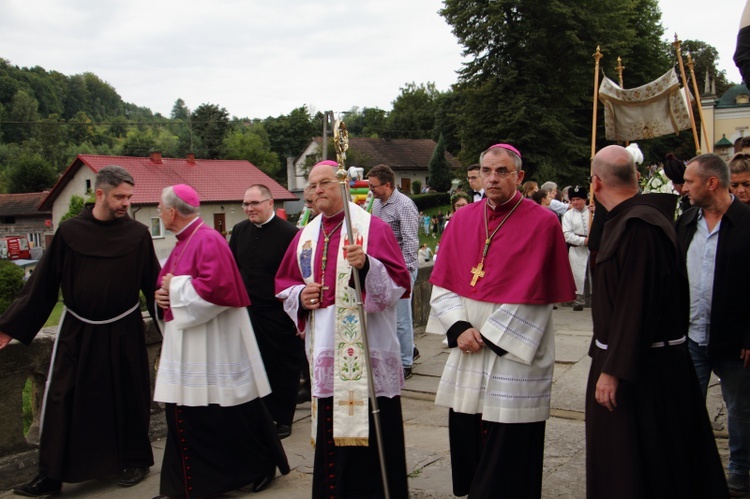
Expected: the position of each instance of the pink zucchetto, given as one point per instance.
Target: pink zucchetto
(187, 194)
(507, 147)
(327, 162)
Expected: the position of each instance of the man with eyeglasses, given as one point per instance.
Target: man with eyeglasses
(399, 211)
(647, 429)
(476, 189)
(503, 265)
(258, 245)
(314, 281)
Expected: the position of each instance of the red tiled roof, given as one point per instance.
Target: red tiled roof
(215, 180)
(399, 154)
(14, 205)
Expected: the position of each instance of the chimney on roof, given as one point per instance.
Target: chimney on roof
(191, 158)
(155, 157)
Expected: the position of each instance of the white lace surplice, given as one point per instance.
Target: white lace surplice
(514, 388)
(209, 353)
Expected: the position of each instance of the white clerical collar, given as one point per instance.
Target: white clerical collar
(188, 225)
(264, 223)
(489, 203)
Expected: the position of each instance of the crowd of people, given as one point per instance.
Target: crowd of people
(242, 320)
(329, 300)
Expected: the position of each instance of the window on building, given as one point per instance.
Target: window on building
(8, 220)
(157, 227)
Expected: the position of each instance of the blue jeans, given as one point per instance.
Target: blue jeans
(735, 388)
(405, 327)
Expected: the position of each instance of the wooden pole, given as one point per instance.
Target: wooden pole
(619, 68)
(597, 55)
(676, 44)
(691, 66)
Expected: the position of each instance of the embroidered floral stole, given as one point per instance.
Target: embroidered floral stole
(350, 394)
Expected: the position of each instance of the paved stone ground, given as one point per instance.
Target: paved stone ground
(428, 458)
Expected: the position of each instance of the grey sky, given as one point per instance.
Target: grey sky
(265, 58)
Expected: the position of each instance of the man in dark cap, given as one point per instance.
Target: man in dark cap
(674, 169)
(575, 225)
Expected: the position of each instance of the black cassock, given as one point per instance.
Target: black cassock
(658, 441)
(258, 252)
(97, 409)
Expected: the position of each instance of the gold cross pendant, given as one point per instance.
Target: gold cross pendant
(478, 272)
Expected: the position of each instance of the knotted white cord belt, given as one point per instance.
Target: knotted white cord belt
(54, 349)
(658, 344)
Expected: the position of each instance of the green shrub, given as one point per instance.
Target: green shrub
(416, 187)
(11, 282)
(431, 199)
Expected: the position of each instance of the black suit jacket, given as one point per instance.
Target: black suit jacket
(730, 306)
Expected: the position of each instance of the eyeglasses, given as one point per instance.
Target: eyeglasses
(323, 183)
(591, 178)
(502, 172)
(255, 204)
(373, 186)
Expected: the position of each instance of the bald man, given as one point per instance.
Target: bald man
(647, 428)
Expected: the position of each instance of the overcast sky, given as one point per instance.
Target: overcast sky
(265, 58)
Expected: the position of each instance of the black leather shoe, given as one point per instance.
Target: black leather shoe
(283, 430)
(262, 483)
(578, 308)
(132, 476)
(41, 485)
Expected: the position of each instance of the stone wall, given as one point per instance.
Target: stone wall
(19, 363)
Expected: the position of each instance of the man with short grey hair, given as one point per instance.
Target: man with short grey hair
(715, 241)
(556, 206)
(220, 436)
(96, 407)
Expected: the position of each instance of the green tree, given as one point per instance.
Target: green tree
(289, 134)
(138, 144)
(30, 173)
(22, 115)
(413, 114)
(528, 79)
(118, 127)
(74, 208)
(250, 142)
(705, 57)
(51, 137)
(11, 282)
(80, 128)
(210, 124)
(180, 111)
(440, 169)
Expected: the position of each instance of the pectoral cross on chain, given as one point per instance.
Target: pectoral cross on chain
(478, 272)
(351, 402)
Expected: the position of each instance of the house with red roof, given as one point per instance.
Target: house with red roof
(221, 185)
(408, 158)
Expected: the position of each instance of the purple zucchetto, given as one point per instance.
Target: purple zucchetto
(507, 147)
(187, 194)
(327, 162)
